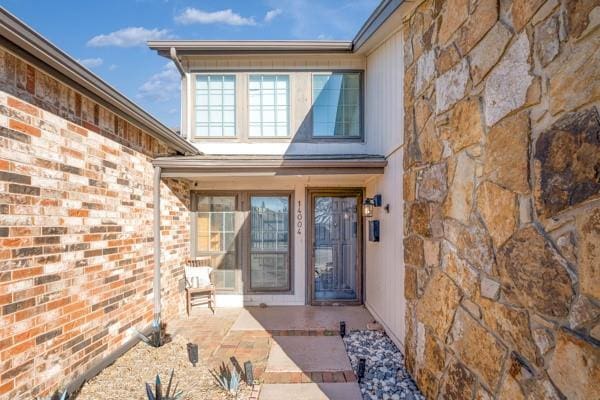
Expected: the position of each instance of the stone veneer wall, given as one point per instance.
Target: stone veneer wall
(502, 184)
(76, 252)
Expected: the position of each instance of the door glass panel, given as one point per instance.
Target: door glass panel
(216, 235)
(335, 248)
(269, 243)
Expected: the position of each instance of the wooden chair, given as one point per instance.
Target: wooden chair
(198, 284)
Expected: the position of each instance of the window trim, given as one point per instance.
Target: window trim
(248, 251)
(296, 132)
(194, 234)
(235, 106)
(242, 248)
(249, 75)
(361, 108)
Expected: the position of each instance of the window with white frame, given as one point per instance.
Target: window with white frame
(269, 105)
(215, 106)
(336, 105)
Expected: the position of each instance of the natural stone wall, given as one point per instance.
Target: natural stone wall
(76, 211)
(502, 194)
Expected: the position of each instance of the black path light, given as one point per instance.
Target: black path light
(362, 363)
(192, 349)
(342, 328)
(248, 372)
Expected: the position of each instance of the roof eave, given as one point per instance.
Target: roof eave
(377, 18)
(197, 47)
(310, 165)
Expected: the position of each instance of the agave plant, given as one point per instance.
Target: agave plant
(169, 394)
(227, 379)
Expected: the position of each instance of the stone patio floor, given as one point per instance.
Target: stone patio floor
(296, 351)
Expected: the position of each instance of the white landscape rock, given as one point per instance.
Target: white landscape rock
(507, 84)
(451, 86)
(385, 374)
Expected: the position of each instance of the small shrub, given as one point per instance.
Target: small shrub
(227, 379)
(157, 394)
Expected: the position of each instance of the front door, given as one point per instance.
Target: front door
(336, 241)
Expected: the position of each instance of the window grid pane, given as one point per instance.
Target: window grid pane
(215, 105)
(216, 237)
(336, 105)
(269, 105)
(269, 242)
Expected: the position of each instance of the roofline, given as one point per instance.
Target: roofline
(377, 18)
(25, 38)
(280, 165)
(186, 47)
(190, 47)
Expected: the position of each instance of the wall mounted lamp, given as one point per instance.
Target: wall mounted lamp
(369, 203)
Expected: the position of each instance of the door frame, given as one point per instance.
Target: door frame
(311, 193)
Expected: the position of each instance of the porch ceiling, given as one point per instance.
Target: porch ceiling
(265, 165)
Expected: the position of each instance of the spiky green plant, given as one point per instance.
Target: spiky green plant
(157, 394)
(227, 379)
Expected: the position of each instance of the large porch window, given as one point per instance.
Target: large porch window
(216, 237)
(269, 243)
(244, 235)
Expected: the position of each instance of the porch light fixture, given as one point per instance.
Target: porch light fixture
(192, 350)
(369, 203)
(342, 328)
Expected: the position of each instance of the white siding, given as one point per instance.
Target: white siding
(384, 266)
(384, 270)
(384, 108)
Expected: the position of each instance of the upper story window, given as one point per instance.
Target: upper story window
(336, 105)
(269, 105)
(215, 105)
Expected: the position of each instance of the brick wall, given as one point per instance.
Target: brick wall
(76, 243)
(502, 198)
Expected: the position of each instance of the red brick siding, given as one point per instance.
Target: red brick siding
(76, 253)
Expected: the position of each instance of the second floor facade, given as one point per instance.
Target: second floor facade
(296, 98)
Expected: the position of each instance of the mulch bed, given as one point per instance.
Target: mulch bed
(126, 377)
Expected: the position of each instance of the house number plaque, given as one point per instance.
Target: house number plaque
(299, 218)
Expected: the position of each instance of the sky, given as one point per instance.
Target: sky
(109, 36)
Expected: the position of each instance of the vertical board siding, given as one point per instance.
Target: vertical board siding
(384, 115)
(384, 118)
(384, 269)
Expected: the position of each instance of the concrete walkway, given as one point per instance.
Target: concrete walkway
(310, 391)
(296, 351)
(301, 319)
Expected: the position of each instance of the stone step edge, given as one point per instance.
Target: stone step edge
(309, 377)
(255, 394)
(291, 332)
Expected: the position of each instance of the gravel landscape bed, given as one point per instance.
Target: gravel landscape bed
(126, 377)
(385, 375)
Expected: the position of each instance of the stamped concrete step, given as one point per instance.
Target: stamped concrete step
(302, 320)
(308, 359)
(310, 391)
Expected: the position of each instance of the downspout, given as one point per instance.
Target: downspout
(156, 232)
(183, 84)
(156, 322)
